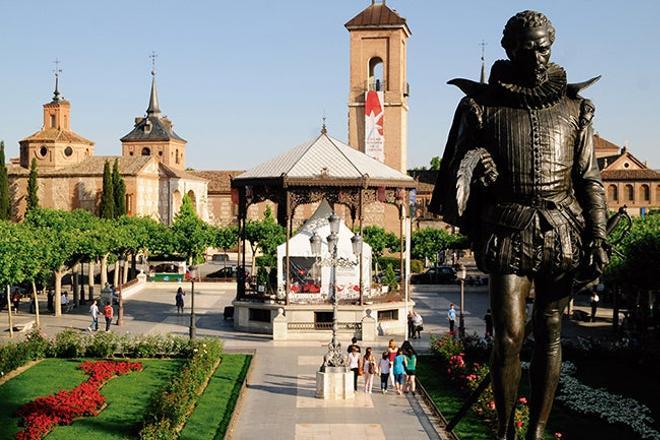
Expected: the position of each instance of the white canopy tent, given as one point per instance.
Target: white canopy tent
(310, 283)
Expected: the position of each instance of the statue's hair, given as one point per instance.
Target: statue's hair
(522, 21)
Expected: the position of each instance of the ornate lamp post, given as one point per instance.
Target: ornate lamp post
(120, 315)
(334, 357)
(461, 275)
(193, 325)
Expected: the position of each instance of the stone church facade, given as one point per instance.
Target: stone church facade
(70, 176)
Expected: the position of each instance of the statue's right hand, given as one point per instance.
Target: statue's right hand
(488, 170)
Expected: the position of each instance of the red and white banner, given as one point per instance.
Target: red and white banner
(374, 111)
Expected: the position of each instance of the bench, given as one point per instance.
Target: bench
(66, 308)
(21, 328)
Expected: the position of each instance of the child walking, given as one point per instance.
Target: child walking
(369, 367)
(384, 368)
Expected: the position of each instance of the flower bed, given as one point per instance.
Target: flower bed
(44, 413)
(170, 408)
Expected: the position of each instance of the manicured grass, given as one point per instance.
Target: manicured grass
(216, 405)
(47, 377)
(127, 398)
(449, 400)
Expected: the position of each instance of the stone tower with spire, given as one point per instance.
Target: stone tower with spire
(55, 145)
(378, 122)
(153, 135)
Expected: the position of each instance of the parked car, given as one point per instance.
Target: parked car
(225, 272)
(435, 275)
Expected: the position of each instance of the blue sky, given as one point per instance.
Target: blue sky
(246, 80)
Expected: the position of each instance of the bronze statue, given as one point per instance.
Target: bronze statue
(519, 177)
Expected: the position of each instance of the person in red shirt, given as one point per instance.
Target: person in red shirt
(108, 312)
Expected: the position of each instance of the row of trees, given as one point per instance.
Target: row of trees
(50, 243)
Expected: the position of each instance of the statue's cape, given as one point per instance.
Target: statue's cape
(498, 89)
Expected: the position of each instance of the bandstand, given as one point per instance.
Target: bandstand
(325, 170)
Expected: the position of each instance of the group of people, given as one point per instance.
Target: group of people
(396, 366)
(415, 324)
(108, 314)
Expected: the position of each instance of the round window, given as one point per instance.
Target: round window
(43, 151)
(68, 151)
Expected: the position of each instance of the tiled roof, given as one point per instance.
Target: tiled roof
(602, 161)
(630, 175)
(603, 144)
(377, 15)
(55, 135)
(161, 130)
(91, 166)
(219, 181)
(328, 157)
(181, 174)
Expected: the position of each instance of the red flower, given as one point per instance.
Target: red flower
(519, 424)
(523, 400)
(43, 413)
(558, 435)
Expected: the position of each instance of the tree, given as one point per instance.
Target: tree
(264, 235)
(108, 197)
(435, 163)
(5, 204)
(379, 240)
(32, 187)
(192, 235)
(119, 191)
(426, 243)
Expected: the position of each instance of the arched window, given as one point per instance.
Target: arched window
(146, 151)
(53, 121)
(612, 193)
(644, 193)
(376, 74)
(629, 193)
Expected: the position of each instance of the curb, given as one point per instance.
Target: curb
(241, 395)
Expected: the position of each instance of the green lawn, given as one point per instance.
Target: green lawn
(47, 377)
(215, 407)
(449, 400)
(127, 398)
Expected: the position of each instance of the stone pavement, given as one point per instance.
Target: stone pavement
(280, 403)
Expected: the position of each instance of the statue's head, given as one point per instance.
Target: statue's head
(527, 39)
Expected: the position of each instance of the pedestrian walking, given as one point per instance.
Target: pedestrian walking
(179, 300)
(399, 369)
(451, 316)
(411, 326)
(418, 325)
(354, 344)
(392, 350)
(488, 319)
(354, 365)
(369, 368)
(108, 312)
(16, 300)
(94, 311)
(594, 305)
(384, 369)
(410, 365)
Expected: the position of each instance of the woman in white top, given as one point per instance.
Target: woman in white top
(354, 364)
(384, 370)
(369, 367)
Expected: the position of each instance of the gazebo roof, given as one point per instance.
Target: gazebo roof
(326, 159)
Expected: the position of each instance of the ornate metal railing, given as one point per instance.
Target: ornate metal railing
(323, 325)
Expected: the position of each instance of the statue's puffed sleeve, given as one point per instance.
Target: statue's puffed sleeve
(462, 135)
(588, 185)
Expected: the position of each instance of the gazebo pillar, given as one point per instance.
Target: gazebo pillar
(361, 218)
(402, 243)
(289, 223)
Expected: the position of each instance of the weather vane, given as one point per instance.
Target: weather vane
(153, 57)
(324, 129)
(57, 71)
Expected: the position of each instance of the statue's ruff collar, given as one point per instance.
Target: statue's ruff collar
(544, 95)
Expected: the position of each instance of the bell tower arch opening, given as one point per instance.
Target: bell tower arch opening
(376, 79)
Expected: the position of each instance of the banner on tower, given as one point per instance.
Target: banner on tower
(374, 112)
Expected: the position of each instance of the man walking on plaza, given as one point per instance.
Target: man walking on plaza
(451, 316)
(594, 304)
(520, 178)
(108, 312)
(94, 311)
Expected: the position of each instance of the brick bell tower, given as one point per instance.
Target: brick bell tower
(378, 95)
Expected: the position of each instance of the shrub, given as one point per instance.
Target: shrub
(416, 266)
(169, 409)
(103, 345)
(446, 347)
(266, 261)
(389, 278)
(69, 344)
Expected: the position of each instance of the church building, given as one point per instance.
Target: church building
(70, 176)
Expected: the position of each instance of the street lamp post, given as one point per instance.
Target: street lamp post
(120, 315)
(334, 357)
(193, 325)
(461, 275)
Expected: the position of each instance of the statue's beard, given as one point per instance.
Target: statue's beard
(535, 76)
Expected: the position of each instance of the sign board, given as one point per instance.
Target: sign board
(374, 111)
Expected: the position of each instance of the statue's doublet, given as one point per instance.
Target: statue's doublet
(540, 139)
